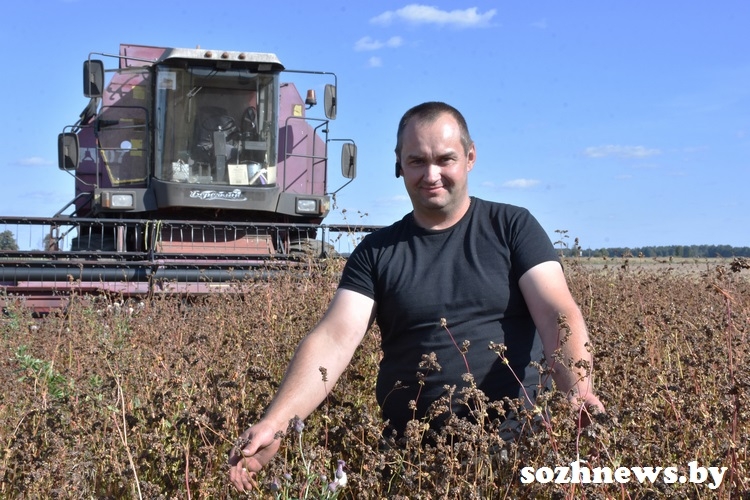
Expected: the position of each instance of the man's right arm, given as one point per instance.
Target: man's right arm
(331, 345)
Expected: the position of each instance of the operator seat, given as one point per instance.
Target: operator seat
(215, 139)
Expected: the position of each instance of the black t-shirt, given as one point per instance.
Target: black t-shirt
(467, 275)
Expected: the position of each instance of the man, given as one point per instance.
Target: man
(456, 268)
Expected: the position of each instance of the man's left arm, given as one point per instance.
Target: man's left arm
(548, 298)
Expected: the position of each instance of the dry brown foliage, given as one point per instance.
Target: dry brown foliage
(145, 399)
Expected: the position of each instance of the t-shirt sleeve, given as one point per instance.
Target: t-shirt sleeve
(358, 274)
(530, 244)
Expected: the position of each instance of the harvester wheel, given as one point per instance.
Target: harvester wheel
(312, 248)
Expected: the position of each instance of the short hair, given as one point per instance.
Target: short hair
(428, 112)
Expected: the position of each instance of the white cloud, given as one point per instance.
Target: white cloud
(34, 161)
(374, 62)
(620, 151)
(427, 14)
(520, 183)
(394, 42)
(367, 43)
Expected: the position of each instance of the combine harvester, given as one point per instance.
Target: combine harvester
(194, 170)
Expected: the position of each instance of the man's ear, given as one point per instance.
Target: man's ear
(471, 157)
(398, 169)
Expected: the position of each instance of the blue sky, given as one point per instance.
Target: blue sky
(626, 124)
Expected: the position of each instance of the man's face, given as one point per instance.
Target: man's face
(435, 168)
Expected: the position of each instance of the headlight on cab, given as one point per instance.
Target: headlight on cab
(118, 200)
(307, 206)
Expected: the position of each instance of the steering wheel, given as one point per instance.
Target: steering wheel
(219, 122)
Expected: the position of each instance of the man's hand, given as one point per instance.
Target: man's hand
(585, 407)
(257, 445)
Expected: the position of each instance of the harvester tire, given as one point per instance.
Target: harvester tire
(312, 248)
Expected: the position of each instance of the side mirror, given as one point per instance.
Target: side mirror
(330, 101)
(93, 78)
(349, 160)
(67, 151)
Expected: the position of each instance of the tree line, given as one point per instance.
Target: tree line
(664, 251)
(688, 251)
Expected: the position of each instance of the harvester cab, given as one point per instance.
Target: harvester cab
(193, 134)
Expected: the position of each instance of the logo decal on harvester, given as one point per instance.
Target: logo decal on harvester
(210, 194)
